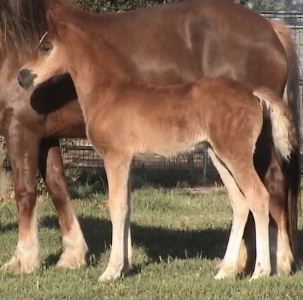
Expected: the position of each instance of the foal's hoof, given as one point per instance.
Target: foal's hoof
(110, 274)
(226, 273)
(260, 273)
(18, 264)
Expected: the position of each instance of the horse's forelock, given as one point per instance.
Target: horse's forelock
(22, 23)
(43, 37)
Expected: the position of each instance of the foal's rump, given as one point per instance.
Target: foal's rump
(234, 117)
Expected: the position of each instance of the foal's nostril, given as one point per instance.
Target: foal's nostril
(26, 78)
(22, 76)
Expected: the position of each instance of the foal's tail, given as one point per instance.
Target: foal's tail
(283, 128)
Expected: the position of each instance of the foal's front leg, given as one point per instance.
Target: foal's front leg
(117, 167)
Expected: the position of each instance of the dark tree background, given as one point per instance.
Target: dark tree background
(122, 5)
(115, 5)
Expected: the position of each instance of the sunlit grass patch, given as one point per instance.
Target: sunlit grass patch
(179, 235)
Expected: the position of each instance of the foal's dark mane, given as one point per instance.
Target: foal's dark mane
(22, 23)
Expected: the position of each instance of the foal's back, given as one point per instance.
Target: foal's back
(166, 120)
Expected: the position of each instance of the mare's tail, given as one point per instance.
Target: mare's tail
(291, 93)
(293, 101)
(283, 128)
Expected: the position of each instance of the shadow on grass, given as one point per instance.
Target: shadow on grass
(299, 264)
(8, 227)
(159, 243)
(85, 182)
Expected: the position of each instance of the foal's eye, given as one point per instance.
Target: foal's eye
(45, 48)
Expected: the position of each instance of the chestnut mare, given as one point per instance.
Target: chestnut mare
(32, 138)
(192, 39)
(126, 117)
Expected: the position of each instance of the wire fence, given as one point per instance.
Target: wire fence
(81, 154)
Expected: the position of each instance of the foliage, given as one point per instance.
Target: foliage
(65, 144)
(86, 183)
(264, 4)
(268, 5)
(6, 163)
(123, 5)
(115, 5)
(83, 183)
(41, 187)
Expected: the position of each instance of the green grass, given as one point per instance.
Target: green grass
(178, 239)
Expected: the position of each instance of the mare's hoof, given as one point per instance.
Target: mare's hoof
(20, 264)
(69, 261)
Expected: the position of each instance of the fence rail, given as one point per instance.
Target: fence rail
(82, 154)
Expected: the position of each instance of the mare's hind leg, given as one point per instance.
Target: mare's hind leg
(24, 158)
(281, 254)
(52, 170)
(117, 167)
(228, 267)
(275, 180)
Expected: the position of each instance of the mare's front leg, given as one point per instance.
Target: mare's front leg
(23, 147)
(52, 170)
(117, 167)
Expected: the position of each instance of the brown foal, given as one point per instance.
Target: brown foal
(126, 117)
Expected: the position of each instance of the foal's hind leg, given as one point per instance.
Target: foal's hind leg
(258, 200)
(117, 167)
(52, 170)
(24, 157)
(228, 267)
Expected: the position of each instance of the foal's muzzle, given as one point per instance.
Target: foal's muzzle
(26, 78)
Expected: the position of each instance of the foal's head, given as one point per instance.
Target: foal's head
(48, 60)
